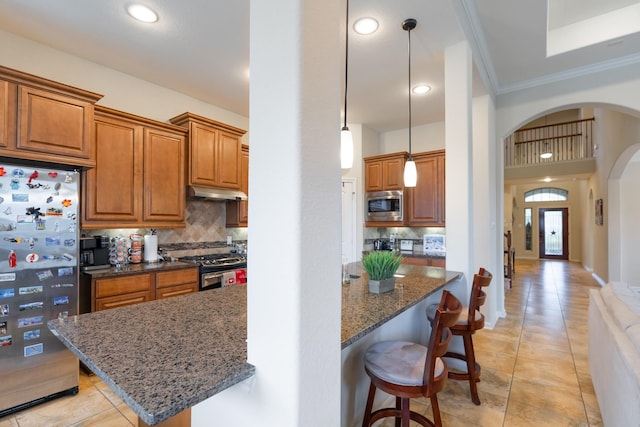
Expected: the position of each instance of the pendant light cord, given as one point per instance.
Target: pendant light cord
(346, 64)
(409, 48)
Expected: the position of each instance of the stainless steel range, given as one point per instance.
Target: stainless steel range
(218, 270)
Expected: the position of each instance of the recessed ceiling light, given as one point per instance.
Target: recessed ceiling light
(365, 26)
(421, 89)
(547, 179)
(142, 13)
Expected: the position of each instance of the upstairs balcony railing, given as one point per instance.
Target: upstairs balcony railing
(564, 141)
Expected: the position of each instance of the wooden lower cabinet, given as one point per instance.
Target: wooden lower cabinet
(176, 282)
(135, 288)
(122, 290)
(426, 261)
(128, 298)
(181, 419)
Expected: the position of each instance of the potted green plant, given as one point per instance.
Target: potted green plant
(381, 267)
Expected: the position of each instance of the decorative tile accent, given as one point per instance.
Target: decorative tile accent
(205, 222)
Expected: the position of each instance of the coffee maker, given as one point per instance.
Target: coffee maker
(94, 253)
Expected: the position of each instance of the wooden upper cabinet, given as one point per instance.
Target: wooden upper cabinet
(227, 157)
(238, 211)
(425, 202)
(5, 120)
(213, 152)
(53, 122)
(112, 191)
(384, 172)
(164, 186)
(138, 180)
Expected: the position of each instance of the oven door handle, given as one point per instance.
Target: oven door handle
(212, 280)
(208, 276)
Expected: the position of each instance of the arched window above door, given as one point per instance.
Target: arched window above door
(547, 194)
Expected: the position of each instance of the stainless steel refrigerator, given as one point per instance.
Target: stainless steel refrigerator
(38, 282)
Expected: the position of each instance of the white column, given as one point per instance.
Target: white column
(294, 286)
(459, 167)
(487, 223)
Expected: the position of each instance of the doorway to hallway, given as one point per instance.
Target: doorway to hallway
(554, 233)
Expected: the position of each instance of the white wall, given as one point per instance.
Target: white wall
(630, 206)
(121, 91)
(427, 137)
(614, 133)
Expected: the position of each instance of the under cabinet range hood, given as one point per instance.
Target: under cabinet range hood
(211, 193)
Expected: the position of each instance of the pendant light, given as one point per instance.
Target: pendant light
(546, 153)
(346, 139)
(410, 172)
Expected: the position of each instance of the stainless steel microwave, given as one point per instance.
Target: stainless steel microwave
(385, 206)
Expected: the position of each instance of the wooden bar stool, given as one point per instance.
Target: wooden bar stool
(469, 322)
(409, 370)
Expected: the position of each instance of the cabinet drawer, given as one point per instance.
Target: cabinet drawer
(123, 285)
(122, 300)
(415, 261)
(438, 262)
(174, 291)
(176, 277)
(429, 262)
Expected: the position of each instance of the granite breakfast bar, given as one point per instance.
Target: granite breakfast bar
(397, 315)
(165, 356)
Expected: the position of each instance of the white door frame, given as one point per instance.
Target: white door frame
(350, 227)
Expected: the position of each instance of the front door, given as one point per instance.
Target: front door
(554, 233)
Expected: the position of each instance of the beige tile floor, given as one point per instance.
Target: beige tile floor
(534, 362)
(534, 365)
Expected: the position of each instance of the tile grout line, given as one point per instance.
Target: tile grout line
(573, 358)
(513, 370)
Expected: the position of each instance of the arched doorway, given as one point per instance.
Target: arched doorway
(603, 245)
(623, 213)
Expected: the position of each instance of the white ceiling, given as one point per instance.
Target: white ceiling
(201, 47)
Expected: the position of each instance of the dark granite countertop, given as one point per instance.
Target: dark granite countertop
(144, 267)
(164, 356)
(362, 311)
(422, 254)
(418, 254)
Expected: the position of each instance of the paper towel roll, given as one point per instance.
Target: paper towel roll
(150, 248)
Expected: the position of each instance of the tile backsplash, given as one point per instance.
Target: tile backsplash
(205, 222)
(409, 233)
